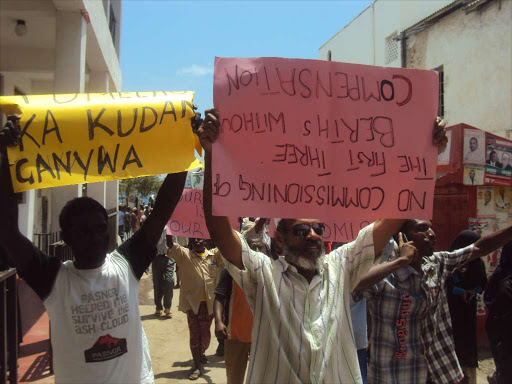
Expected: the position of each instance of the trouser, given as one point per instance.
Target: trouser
(236, 356)
(199, 326)
(163, 284)
(362, 357)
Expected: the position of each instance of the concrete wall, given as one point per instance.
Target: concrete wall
(60, 53)
(475, 51)
(363, 40)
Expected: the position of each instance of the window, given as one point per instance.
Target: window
(391, 53)
(440, 108)
(329, 55)
(112, 24)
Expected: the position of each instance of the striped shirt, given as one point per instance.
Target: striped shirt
(302, 332)
(411, 337)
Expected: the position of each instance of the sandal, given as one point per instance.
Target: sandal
(194, 374)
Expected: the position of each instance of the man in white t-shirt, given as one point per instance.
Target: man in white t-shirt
(92, 302)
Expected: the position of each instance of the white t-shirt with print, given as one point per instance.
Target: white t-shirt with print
(96, 332)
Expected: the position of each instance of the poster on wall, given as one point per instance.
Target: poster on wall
(444, 157)
(474, 175)
(485, 202)
(502, 199)
(474, 147)
(498, 170)
(484, 227)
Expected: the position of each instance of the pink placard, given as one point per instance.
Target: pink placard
(327, 140)
(187, 219)
(337, 231)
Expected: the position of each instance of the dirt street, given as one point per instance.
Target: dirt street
(169, 342)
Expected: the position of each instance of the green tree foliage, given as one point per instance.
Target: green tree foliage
(143, 186)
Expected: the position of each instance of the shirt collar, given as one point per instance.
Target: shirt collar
(403, 273)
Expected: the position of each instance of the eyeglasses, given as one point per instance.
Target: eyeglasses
(302, 230)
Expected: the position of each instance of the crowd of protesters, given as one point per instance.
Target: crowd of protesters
(286, 309)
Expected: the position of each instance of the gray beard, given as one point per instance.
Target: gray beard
(295, 258)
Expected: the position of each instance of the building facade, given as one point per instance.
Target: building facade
(59, 46)
(471, 47)
(468, 42)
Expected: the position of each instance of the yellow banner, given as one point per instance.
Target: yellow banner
(86, 138)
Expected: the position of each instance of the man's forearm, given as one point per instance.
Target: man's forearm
(218, 308)
(166, 200)
(492, 242)
(383, 230)
(377, 273)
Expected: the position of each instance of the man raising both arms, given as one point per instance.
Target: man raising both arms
(302, 330)
(92, 302)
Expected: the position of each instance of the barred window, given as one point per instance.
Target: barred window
(440, 108)
(391, 48)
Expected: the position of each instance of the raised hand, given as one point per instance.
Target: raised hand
(208, 130)
(407, 251)
(440, 138)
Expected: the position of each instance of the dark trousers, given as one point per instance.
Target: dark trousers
(163, 281)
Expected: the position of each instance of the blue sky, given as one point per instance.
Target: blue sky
(171, 45)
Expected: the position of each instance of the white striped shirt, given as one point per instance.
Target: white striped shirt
(302, 333)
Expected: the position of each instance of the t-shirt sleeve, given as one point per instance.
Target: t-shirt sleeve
(255, 265)
(41, 273)
(358, 256)
(454, 260)
(138, 252)
(225, 285)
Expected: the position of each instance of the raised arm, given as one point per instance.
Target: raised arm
(219, 227)
(380, 271)
(19, 250)
(491, 243)
(166, 200)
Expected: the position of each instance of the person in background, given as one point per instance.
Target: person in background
(134, 220)
(411, 338)
(127, 222)
(199, 269)
(462, 288)
(163, 276)
(233, 317)
(120, 222)
(498, 299)
(92, 301)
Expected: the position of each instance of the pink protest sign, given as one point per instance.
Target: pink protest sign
(338, 231)
(310, 138)
(187, 220)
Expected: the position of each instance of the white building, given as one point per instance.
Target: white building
(59, 46)
(469, 42)
(371, 37)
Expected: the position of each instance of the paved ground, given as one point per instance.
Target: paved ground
(169, 342)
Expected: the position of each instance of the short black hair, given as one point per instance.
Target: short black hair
(76, 207)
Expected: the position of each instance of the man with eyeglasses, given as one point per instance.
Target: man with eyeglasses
(302, 330)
